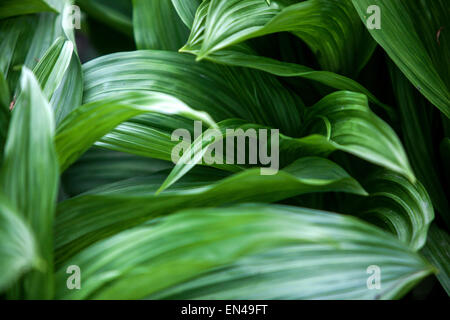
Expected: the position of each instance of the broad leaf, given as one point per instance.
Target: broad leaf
(423, 54)
(330, 28)
(82, 127)
(113, 208)
(249, 252)
(29, 175)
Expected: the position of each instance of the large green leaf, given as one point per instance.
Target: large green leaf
(340, 121)
(51, 68)
(99, 167)
(243, 56)
(26, 39)
(99, 213)
(249, 252)
(237, 93)
(396, 204)
(17, 246)
(11, 8)
(330, 28)
(423, 54)
(438, 253)
(151, 26)
(89, 122)
(29, 175)
(417, 127)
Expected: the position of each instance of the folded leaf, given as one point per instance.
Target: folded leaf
(248, 252)
(29, 175)
(399, 206)
(330, 28)
(110, 209)
(423, 55)
(82, 127)
(437, 252)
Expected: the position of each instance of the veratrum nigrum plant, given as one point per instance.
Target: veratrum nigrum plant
(347, 102)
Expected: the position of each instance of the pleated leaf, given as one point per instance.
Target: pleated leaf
(250, 252)
(11, 8)
(330, 28)
(396, 204)
(423, 54)
(88, 123)
(110, 209)
(29, 175)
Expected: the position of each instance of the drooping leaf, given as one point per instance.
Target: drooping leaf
(330, 28)
(423, 54)
(29, 175)
(98, 167)
(401, 207)
(110, 209)
(248, 252)
(81, 128)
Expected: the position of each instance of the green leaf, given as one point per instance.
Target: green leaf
(82, 127)
(151, 26)
(421, 56)
(27, 39)
(51, 68)
(330, 28)
(186, 10)
(437, 252)
(113, 208)
(99, 167)
(4, 112)
(417, 127)
(340, 121)
(17, 246)
(399, 206)
(11, 8)
(242, 56)
(345, 122)
(238, 93)
(248, 252)
(29, 175)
